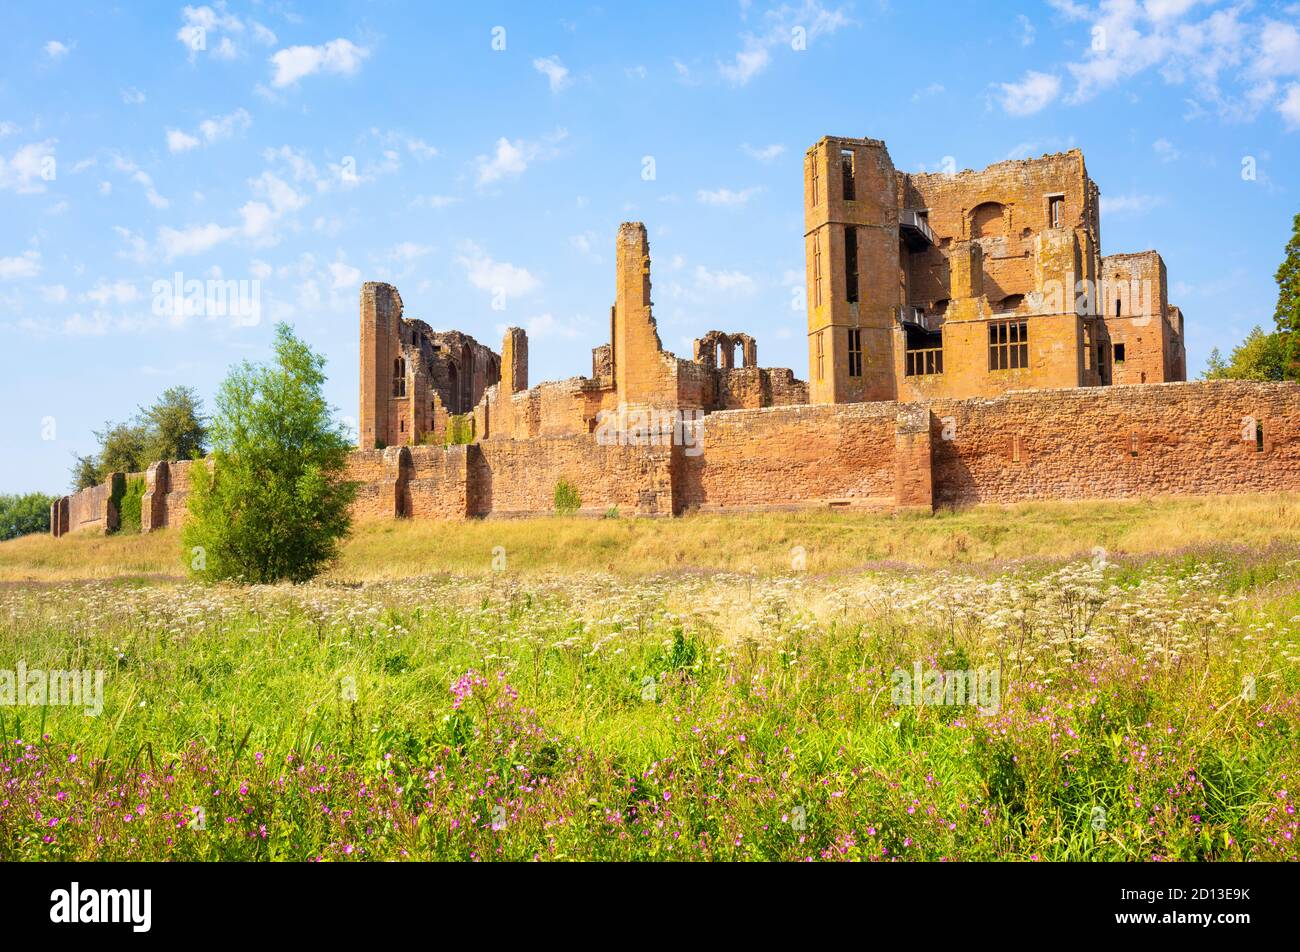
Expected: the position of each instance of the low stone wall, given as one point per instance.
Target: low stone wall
(1203, 438)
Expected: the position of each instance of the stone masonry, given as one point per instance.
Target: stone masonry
(967, 343)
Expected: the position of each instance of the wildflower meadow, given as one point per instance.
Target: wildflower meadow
(1119, 708)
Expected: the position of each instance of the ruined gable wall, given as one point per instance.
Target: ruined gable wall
(1021, 187)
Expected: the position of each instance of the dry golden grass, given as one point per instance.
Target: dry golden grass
(761, 542)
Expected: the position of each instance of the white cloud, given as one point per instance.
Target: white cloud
(26, 169)
(118, 292)
(202, 25)
(196, 239)
(1231, 56)
(1166, 150)
(178, 141)
(1032, 94)
(341, 57)
(726, 196)
(1132, 204)
(141, 178)
(56, 50)
(434, 201)
(343, 276)
(54, 294)
(511, 159)
(1026, 30)
(409, 250)
(1290, 107)
(7, 129)
(211, 130)
(137, 249)
(132, 96)
(755, 55)
(557, 75)
(25, 265)
(493, 276)
(767, 153)
(734, 282)
(748, 63)
(542, 326)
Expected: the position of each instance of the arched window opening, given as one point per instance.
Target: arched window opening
(988, 221)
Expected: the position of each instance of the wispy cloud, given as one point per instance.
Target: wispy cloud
(340, 57)
(727, 197)
(557, 75)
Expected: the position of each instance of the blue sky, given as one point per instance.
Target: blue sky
(312, 147)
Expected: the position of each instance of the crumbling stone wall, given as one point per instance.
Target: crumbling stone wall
(1173, 438)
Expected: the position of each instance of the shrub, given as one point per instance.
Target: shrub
(275, 506)
(567, 500)
(460, 429)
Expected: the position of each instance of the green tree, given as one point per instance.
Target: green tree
(22, 515)
(85, 473)
(121, 449)
(274, 506)
(1287, 313)
(175, 427)
(1259, 357)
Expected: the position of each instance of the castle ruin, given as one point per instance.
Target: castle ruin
(967, 342)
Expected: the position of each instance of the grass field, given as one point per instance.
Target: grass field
(702, 688)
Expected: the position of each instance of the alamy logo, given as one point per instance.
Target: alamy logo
(981, 687)
(651, 427)
(103, 905)
(23, 687)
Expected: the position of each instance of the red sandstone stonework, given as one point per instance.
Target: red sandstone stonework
(939, 259)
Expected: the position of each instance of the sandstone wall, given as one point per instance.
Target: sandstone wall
(787, 457)
(1111, 442)
(1203, 438)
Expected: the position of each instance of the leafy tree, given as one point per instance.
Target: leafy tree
(1287, 313)
(175, 427)
(1259, 357)
(121, 449)
(22, 515)
(274, 506)
(85, 473)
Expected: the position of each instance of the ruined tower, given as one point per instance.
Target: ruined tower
(636, 346)
(381, 313)
(851, 236)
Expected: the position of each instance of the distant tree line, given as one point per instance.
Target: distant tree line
(1276, 355)
(23, 515)
(173, 428)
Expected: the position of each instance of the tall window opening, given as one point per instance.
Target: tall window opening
(851, 264)
(399, 377)
(821, 358)
(855, 352)
(846, 168)
(1056, 211)
(817, 271)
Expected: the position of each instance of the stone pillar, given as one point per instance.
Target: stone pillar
(514, 361)
(153, 504)
(913, 469)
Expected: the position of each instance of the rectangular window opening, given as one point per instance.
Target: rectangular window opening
(855, 352)
(1119, 353)
(1008, 345)
(1056, 211)
(846, 167)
